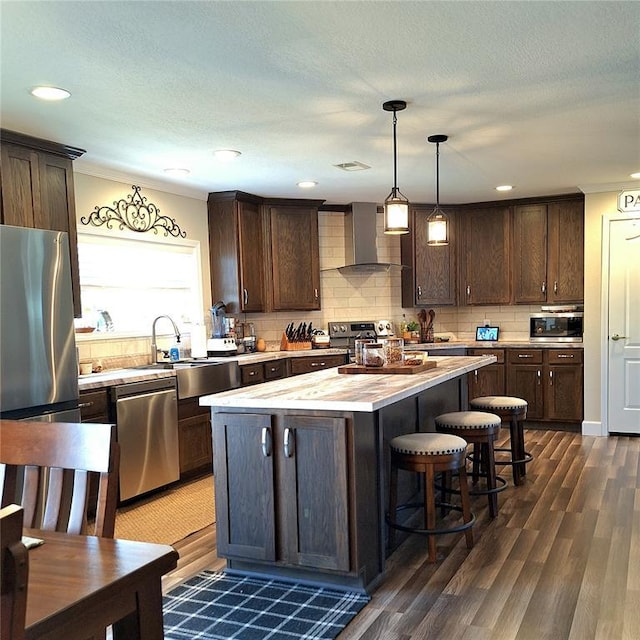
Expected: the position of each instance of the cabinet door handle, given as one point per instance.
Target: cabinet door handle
(315, 293)
(539, 373)
(475, 375)
(266, 442)
(318, 364)
(419, 292)
(565, 355)
(245, 296)
(85, 405)
(288, 442)
(555, 286)
(551, 378)
(253, 373)
(468, 290)
(525, 355)
(544, 287)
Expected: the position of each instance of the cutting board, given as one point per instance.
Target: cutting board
(389, 368)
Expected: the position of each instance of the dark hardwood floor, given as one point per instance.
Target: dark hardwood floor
(561, 560)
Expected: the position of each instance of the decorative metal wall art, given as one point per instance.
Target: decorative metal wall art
(136, 214)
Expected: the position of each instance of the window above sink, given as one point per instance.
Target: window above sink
(137, 279)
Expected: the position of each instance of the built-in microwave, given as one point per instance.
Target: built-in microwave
(553, 325)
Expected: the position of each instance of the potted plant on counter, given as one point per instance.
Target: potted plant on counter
(411, 333)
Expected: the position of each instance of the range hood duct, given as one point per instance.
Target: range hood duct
(360, 241)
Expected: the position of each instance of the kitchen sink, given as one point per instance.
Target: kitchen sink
(201, 377)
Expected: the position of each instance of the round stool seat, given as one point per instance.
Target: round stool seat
(498, 403)
(428, 454)
(428, 444)
(468, 420)
(512, 410)
(479, 428)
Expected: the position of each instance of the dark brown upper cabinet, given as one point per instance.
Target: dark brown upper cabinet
(430, 276)
(295, 256)
(548, 252)
(36, 180)
(264, 253)
(485, 255)
(237, 251)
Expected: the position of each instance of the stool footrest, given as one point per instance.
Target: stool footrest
(527, 457)
(429, 532)
(502, 485)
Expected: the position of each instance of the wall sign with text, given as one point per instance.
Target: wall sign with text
(629, 201)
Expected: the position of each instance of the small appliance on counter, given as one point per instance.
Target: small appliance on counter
(223, 339)
(384, 328)
(245, 337)
(320, 339)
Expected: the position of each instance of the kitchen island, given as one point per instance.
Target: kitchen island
(301, 467)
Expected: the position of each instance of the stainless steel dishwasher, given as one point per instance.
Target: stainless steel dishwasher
(146, 414)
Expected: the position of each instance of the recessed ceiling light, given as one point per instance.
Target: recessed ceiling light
(50, 93)
(636, 175)
(226, 154)
(504, 187)
(176, 171)
(307, 184)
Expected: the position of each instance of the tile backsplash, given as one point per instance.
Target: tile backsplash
(365, 296)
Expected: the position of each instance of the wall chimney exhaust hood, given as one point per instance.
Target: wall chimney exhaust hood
(360, 241)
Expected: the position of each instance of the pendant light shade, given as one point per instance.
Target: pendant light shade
(396, 206)
(437, 222)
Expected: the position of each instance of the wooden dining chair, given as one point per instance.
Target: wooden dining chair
(46, 467)
(13, 574)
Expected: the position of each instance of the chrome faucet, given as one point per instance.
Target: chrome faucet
(154, 346)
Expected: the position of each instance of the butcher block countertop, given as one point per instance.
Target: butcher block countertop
(328, 390)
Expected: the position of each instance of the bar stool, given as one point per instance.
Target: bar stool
(514, 411)
(480, 429)
(428, 454)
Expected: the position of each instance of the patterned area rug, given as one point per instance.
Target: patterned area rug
(170, 515)
(218, 606)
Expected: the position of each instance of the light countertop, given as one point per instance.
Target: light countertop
(329, 390)
(112, 377)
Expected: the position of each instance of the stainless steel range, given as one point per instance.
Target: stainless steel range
(344, 334)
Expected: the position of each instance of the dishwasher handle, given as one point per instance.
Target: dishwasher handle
(140, 388)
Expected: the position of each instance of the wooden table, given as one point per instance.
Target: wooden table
(78, 585)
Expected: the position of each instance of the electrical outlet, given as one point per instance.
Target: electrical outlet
(487, 323)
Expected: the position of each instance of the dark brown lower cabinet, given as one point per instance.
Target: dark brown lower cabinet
(524, 379)
(564, 385)
(281, 489)
(94, 406)
(194, 438)
(550, 380)
(490, 380)
(307, 364)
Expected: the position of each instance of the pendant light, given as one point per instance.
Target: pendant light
(437, 222)
(396, 206)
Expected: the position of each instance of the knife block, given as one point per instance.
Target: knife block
(285, 345)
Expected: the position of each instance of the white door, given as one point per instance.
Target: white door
(623, 327)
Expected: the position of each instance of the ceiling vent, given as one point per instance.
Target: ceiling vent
(352, 166)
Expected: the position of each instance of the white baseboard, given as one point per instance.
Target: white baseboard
(593, 429)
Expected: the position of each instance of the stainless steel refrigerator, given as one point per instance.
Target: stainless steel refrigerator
(38, 358)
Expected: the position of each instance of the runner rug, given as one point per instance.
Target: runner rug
(219, 606)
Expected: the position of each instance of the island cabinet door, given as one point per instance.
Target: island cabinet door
(312, 483)
(243, 459)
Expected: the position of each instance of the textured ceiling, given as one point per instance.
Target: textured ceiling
(541, 95)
